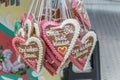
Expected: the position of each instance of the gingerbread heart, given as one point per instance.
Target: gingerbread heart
(61, 38)
(81, 54)
(31, 51)
(80, 13)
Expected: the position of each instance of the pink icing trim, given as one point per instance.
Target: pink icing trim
(53, 57)
(50, 68)
(44, 26)
(74, 5)
(18, 39)
(33, 62)
(73, 60)
(83, 60)
(80, 35)
(24, 16)
(49, 59)
(48, 50)
(77, 30)
(79, 42)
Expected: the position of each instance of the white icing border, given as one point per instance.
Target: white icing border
(21, 31)
(75, 69)
(93, 34)
(39, 42)
(37, 74)
(76, 34)
(19, 59)
(28, 22)
(37, 29)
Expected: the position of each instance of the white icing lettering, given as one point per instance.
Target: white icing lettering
(68, 30)
(75, 51)
(52, 33)
(61, 43)
(81, 53)
(82, 50)
(30, 49)
(59, 38)
(29, 55)
(21, 50)
(85, 46)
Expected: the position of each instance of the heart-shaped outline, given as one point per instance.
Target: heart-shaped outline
(31, 39)
(29, 26)
(62, 50)
(73, 59)
(86, 36)
(76, 34)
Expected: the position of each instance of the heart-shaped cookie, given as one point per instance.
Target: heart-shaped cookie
(61, 38)
(31, 51)
(81, 54)
(79, 57)
(80, 13)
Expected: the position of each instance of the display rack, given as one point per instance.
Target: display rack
(93, 75)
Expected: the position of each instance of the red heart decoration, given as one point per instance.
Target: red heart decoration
(61, 38)
(62, 50)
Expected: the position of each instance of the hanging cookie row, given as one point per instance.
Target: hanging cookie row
(52, 35)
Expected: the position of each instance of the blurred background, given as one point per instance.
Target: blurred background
(105, 19)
